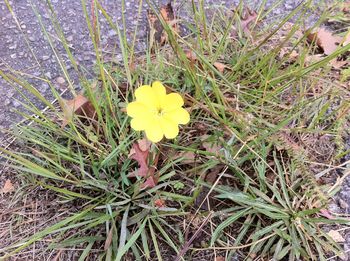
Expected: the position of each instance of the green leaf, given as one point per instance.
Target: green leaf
(218, 231)
(131, 241)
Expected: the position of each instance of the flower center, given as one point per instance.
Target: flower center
(160, 112)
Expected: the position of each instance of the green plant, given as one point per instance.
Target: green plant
(253, 113)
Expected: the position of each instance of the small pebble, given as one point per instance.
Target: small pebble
(44, 87)
(7, 102)
(48, 75)
(343, 204)
(16, 103)
(60, 80)
(14, 46)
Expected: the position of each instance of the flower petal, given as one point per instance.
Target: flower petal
(172, 101)
(154, 133)
(159, 89)
(146, 95)
(142, 123)
(179, 116)
(137, 109)
(169, 128)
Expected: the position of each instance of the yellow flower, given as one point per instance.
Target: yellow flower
(157, 113)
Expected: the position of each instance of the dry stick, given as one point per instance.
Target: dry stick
(57, 257)
(331, 167)
(333, 257)
(189, 242)
(339, 181)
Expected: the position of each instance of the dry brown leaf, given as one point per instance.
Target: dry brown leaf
(8, 187)
(157, 32)
(159, 203)
(141, 157)
(220, 258)
(210, 146)
(325, 213)
(108, 239)
(325, 40)
(188, 157)
(293, 55)
(80, 106)
(336, 236)
(249, 17)
(145, 170)
(346, 7)
(191, 56)
(213, 174)
(150, 182)
(220, 66)
(144, 144)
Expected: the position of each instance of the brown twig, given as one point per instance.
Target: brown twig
(187, 245)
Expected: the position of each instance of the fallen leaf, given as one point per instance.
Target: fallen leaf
(8, 187)
(191, 56)
(293, 55)
(246, 19)
(220, 66)
(144, 144)
(325, 213)
(220, 258)
(108, 239)
(325, 40)
(159, 203)
(140, 154)
(213, 174)
(346, 7)
(141, 157)
(157, 32)
(150, 182)
(336, 236)
(189, 157)
(80, 106)
(250, 16)
(167, 12)
(210, 146)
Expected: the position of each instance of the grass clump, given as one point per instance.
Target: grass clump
(237, 182)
